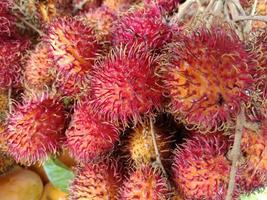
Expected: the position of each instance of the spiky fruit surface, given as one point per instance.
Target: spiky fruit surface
(101, 19)
(254, 149)
(7, 19)
(144, 184)
(96, 181)
(35, 129)
(118, 5)
(141, 26)
(6, 162)
(166, 6)
(124, 87)
(140, 145)
(74, 49)
(88, 5)
(206, 77)
(261, 9)
(88, 136)
(201, 169)
(10, 58)
(38, 72)
(4, 100)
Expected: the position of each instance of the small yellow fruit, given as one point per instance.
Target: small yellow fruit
(53, 193)
(38, 168)
(20, 184)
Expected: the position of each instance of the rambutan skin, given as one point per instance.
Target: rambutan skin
(200, 168)
(206, 76)
(39, 69)
(7, 19)
(140, 145)
(90, 4)
(88, 136)
(96, 181)
(118, 5)
(254, 149)
(6, 162)
(35, 129)
(124, 86)
(166, 6)
(145, 183)
(141, 26)
(73, 48)
(11, 53)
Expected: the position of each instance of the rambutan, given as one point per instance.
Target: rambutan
(261, 9)
(200, 168)
(143, 184)
(38, 71)
(11, 52)
(166, 6)
(254, 149)
(124, 86)
(206, 76)
(35, 129)
(86, 5)
(6, 162)
(101, 19)
(96, 181)
(141, 26)
(118, 5)
(140, 145)
(4, 102)
(74, 49)
(88, 136)
(7, 19)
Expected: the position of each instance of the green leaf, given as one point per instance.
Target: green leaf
(261, 194)
(58, 174)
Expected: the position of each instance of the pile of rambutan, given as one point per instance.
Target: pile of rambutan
(153, 99)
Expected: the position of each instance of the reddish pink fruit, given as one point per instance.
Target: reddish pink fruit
(7, 19)
(88, 136)
(35, 129)
(124, 86)
(166, 6)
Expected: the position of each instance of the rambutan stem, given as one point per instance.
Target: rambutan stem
(235, 152)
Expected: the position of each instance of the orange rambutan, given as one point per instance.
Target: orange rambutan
(73, 48)
(98, 181)
(201, 169)
(144, 183)
(101, 19)
(254, 149)
(88, 136)
(206, 76)
(35, 129)
(142, 26)
(11, 52)
(124, 86)
(118, 5)
(141, 148)
(38, 70)
(261, 9)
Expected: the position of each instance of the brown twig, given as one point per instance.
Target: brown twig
(235, 154)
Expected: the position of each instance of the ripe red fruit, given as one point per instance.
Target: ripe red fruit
(88, 136)
(74, 48)
(7, 19)
(144, 183)
(142, 26)
(96, 181)
(206, 76)
(200, 168)
(10, 61)
(35, 129)
(254, 149)
(38, 72)
(166, 6)
(124, 86)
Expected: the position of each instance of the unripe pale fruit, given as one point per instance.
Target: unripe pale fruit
(20, 184)
(53, 193)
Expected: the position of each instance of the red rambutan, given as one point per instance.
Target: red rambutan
(96, 181)
(74, 49)
(38, 71)
(254, 149)
(124, 86)
(10, 61)
(143, 184)
(164, 5)
(206, 76)
(200, 168)
(35, 129)
(88, 136)
(7, 19)
(141, 26)
(101, 19)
